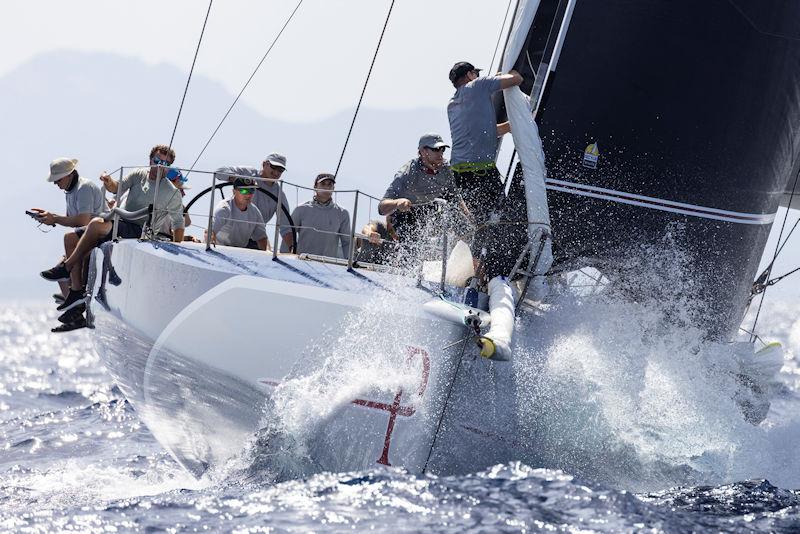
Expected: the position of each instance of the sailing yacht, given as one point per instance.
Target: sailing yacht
(667, 125)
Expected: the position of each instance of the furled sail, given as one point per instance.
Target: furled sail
(527, 142)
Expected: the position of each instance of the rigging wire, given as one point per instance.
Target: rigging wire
(465, 341)
(500, 36)
(235, 100)
(778, 248)
(364, 89)
(191, 70)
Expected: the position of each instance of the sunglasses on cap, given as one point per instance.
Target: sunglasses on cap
(246, 190)
(440, 149)
(159, 161)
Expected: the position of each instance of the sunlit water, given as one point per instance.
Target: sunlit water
(75, 456)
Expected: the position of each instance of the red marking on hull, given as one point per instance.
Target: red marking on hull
(395, 408)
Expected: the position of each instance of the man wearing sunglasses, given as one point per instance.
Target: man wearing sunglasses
(267, 177)
(237, 221)
(140, 186)
(408, 202)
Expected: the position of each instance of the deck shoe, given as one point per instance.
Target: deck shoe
(113, 278)
(58, 297)
(72, 315)
(69, 327)
(74, 298)
(56, 274)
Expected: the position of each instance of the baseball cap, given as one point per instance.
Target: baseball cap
(432, 140)
(277, 160)
(460, 69)
(324, 176)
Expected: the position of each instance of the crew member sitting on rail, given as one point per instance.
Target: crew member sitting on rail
(141, 186)
(272, 168)
(237, 221)
(409, 201)
(321, 224)
(84, 201)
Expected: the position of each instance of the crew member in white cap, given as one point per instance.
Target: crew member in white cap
(272, 168)
(84, 201)
(408, 202)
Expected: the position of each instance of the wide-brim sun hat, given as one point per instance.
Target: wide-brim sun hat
(61, 167)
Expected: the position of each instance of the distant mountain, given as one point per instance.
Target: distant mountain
(108, 110)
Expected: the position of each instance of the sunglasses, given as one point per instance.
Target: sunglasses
(246, 190)
(276, 168)
(159, 161)
(440, 149)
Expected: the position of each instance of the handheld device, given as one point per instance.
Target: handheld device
(32, 214)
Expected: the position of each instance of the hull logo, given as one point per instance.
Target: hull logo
(590, 156)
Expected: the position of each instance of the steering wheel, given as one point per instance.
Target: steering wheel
(283, 207)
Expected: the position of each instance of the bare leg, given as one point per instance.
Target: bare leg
(70, 242)
(95, 230)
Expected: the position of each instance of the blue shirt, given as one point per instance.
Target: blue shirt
(473, 121)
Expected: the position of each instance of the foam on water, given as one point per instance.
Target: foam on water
(75, 456)
(620, 390)
(366, 358)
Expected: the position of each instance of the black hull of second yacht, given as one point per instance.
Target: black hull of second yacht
(695, 111)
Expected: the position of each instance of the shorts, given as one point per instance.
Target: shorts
(125, 230)
(483, 193)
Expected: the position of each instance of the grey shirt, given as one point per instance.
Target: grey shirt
(141, 191)
(266, 205)
(331, 219)
(473, 122)
(413, 182)
(234, 227)
(85, 197)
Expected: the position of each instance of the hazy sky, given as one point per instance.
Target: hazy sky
(316, 69)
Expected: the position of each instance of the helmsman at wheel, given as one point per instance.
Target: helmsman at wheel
(267, 178)
(237, 220)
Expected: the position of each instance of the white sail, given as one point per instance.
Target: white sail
(527, 141)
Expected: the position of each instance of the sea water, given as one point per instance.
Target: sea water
(628, 427)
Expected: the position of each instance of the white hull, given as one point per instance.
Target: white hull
(199, 341)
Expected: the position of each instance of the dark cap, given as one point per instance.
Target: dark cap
(460, 69)
(324, 176)
(244, 182)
